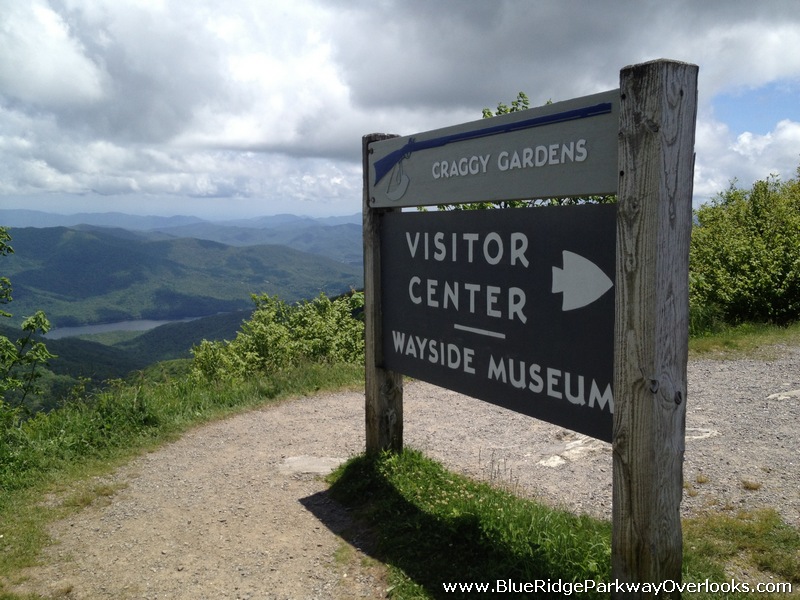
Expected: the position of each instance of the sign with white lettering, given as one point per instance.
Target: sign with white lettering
(564, 149)
(540, 310)
(515, 307)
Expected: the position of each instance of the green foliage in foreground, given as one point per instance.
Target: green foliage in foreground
(433, 527)
(278, 335)
(129, 416)
(745, 256)
(20, 357)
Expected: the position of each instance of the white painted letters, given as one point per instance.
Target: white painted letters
(542, 156)
(555, 384)
(439, 352)
(529, 157)
(460, 167)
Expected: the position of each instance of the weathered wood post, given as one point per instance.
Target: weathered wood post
(656, 159)
(383, 389)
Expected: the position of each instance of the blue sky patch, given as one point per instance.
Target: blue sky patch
(758, 110)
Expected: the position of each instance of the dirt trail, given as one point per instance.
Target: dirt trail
(238, 509)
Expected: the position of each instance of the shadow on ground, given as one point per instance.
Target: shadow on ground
(371, 514)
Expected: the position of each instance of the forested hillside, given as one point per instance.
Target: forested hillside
(341, 242)
(93, 276)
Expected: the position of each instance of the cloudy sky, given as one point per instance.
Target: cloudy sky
(257, 107)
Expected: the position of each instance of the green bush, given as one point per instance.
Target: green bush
(745, 256)
(279, 336)
(20, 359)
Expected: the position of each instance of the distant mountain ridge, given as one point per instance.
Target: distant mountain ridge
(14, 217)
(341, 242)
(336, 238)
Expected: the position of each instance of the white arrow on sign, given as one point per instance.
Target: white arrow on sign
(581, 281)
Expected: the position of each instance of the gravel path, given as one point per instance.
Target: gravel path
(237, 509)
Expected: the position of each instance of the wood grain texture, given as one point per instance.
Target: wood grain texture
(656, 157)
(383, 393)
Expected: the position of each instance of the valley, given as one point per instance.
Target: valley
(132, 327)
(171, 282)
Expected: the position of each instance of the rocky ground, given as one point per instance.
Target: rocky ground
(238, 509)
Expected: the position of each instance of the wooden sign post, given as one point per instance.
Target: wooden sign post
(383, 389)
(658, 108)
(558, 150)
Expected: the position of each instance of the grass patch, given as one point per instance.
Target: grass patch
(24, 517)
(757, 544)
(746, 340)
(432, 527)
(92, 493)
(750, 485)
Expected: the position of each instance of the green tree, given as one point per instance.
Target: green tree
(522, 102)
(745, 253)
(279, 335)
(19, 358)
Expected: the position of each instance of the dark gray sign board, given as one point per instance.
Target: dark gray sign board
(563, 149)
(514, 307)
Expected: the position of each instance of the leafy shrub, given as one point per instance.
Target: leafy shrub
(279, 336)
(745, 255)
(20, 358)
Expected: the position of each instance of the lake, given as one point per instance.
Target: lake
(138, 325)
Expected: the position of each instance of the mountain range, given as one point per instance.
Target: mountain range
(338, 238)
(175, 267)
(33, 218)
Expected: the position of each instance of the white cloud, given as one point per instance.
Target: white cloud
(41, 62)
(748, 54)
(723, 158)
(269, 100)
(777, 152)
